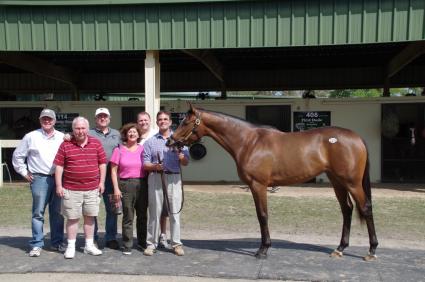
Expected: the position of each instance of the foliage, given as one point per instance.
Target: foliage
(338, 93)
(346, 93)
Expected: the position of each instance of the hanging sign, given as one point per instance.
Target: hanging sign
(64, 121)
(308, 120)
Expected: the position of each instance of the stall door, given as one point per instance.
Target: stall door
(403, 142)
(276, 116)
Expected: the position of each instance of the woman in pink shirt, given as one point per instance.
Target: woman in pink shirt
(130, 185)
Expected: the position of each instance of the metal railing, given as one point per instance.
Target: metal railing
(6, 144)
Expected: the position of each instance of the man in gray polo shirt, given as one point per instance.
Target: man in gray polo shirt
(110, 138)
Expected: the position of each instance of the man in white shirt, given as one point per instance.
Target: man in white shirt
(144, 122)
(33, 159)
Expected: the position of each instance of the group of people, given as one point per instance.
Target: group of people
(132, 167)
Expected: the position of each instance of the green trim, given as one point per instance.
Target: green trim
(103, 2)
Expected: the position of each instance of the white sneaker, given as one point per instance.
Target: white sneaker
(92, 250)
(163, 241)
(149, 251)
(35, 252)
(178, 250)
(69, 253)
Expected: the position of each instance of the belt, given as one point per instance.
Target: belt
(130, 179)
(171, 172)
(42, 174)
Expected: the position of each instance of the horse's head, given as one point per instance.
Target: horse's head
(188, 131)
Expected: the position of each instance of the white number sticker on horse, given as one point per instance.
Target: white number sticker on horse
(333, 140)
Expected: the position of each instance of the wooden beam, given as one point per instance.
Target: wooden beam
(386, 89)
(236, 80)
(39, 66)
(405, 57)
(212, 64)
(209, 61)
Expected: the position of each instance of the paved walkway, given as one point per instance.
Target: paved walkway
(226, 259)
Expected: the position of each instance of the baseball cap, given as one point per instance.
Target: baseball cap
(102, 111)
(48, 113)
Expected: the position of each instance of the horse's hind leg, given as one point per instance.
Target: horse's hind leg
(366, 211)
(259, 192)
(364, 206)
(347, 212)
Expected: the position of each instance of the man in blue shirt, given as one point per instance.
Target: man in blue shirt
(158, 158)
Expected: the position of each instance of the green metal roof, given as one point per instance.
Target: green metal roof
(166, 25)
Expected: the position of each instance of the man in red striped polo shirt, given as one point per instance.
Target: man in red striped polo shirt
(82, 163)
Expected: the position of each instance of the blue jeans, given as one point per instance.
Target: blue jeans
(111, 218)
(43, 194)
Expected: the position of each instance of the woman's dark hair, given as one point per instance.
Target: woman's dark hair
(126, 127)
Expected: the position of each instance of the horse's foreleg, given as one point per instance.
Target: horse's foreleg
(347, 212)
(259, 192)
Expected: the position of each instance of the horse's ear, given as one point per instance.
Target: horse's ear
(192, 109)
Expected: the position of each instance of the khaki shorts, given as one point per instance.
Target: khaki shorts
(77, 203)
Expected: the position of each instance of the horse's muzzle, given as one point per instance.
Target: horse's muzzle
(173, 143)
(170, 141)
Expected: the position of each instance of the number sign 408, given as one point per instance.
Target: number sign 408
(312, 114)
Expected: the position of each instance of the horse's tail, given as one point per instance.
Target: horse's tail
(366, 186)
(366, 180)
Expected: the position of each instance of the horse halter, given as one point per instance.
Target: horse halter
(195, 126)
(180, 143)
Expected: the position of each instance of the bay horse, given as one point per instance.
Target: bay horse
(267, 157)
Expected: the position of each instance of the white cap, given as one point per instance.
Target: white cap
(48, 113)
(102, 111)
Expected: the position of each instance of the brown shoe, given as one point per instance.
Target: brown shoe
(178, 250)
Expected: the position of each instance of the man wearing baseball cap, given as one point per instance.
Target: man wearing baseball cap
(33, 159)
(110, 138)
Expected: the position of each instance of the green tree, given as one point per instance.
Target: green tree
(346, 93)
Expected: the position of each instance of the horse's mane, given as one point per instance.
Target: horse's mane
(237, 119)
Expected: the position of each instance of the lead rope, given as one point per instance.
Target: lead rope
(181, 180)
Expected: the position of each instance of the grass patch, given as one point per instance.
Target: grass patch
(16, 206)
(395, 218)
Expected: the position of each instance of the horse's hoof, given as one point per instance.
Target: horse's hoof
(336, 254)
(260, 256)
(370, 258)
